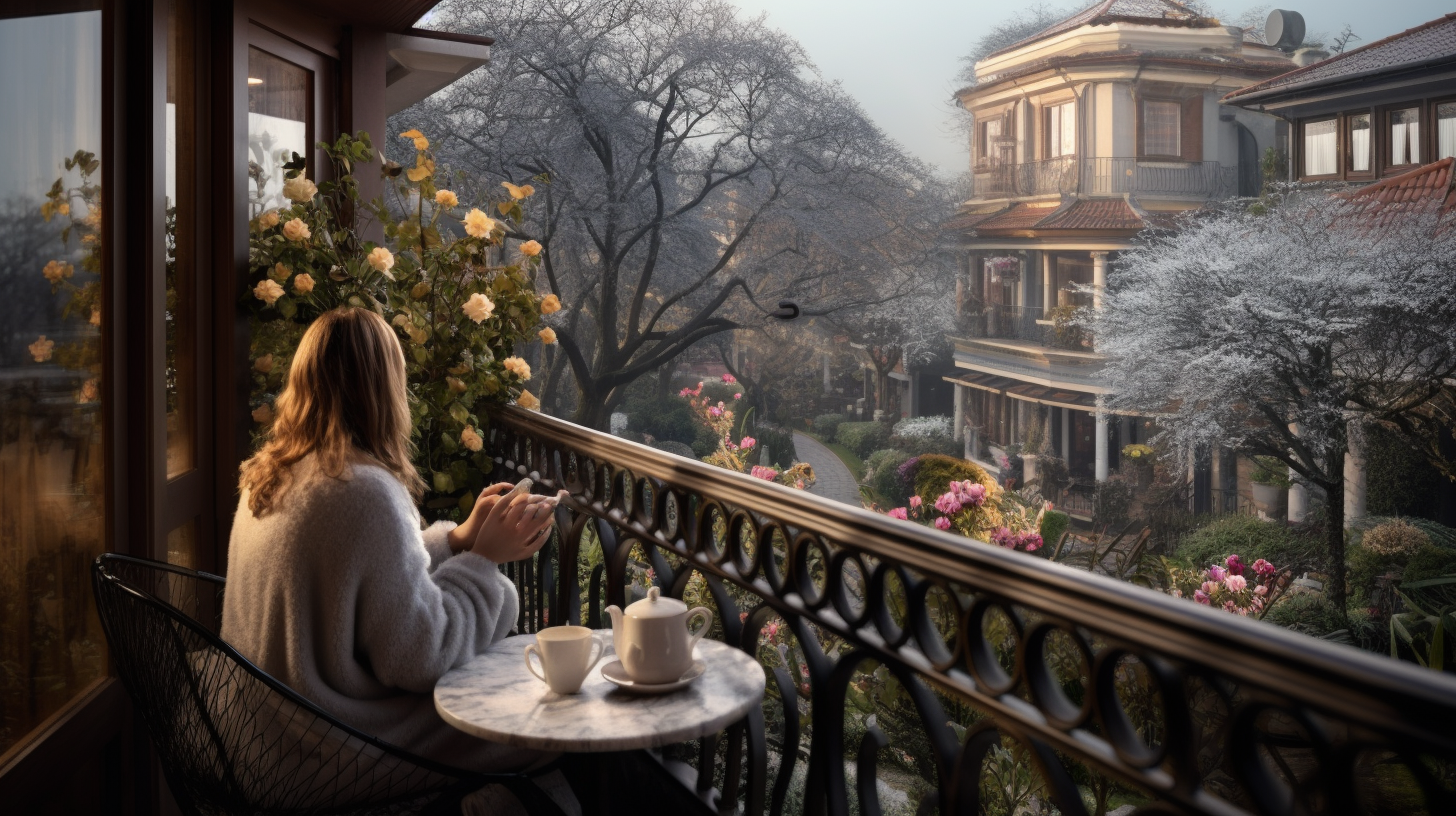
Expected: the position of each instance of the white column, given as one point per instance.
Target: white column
(1025, 287)
(827, 385)
(1298, 493)
(1066, 436)
(1048, 292)
(1099, 278)
(1101, 471)
(959, 423)
(1355, 477)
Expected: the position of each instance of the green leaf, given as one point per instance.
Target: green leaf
(447, 443)
(287, 307)
(443, 483)
(459, 413)
(421, 355)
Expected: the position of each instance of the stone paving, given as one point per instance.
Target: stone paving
(833, 480)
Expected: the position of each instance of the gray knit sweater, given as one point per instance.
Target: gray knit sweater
(339, 594)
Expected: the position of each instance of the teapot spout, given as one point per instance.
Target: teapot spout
(616, 613)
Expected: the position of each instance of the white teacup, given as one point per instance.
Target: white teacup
(567, 655)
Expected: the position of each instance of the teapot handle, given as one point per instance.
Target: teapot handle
(707, 624)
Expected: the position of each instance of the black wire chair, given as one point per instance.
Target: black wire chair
(232, 739)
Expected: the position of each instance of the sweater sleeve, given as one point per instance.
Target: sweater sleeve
(437, 542)
(411, 624)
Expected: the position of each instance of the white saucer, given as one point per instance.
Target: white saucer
(614, 673)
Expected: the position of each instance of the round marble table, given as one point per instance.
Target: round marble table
(494, 697)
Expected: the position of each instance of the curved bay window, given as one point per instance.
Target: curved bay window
(52, 455)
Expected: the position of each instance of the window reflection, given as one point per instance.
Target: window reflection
(279, 99)
(52, 483)
(181, 225)
(1360, 147)
(1445, 130)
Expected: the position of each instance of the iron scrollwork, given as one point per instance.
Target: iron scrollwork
(1096, 686)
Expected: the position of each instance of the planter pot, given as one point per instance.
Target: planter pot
(1028, 468)
(1269, 501)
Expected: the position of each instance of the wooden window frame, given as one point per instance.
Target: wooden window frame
(1434, 143)
(1046, 129)
(1383, 150)
(1347, 145)
(1190, 127)
(1339, 120)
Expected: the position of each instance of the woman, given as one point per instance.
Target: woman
(332, 586)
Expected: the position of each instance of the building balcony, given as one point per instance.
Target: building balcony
(1107, 177)
(966, 654)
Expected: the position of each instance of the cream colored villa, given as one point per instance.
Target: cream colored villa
(1083, 134)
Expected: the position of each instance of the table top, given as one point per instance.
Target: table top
(495, 698)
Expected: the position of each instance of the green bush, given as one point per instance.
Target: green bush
(1363, 569)
(826, 425)
(1053, 524)
(883, 475)
(669, 421)
(780, 445)
(1270, 471)
(921, 445)
(931, 474)
(1309, 613)
(1432, 562)
(862, 437)
(1112, 504)
(1400, 482)
(1251, 539)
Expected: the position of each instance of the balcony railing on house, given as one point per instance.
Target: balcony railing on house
(983, 667)
(1108, 177)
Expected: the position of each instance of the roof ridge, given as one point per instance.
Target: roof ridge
(1345, 54)
(1396, 181)
(1093, 12)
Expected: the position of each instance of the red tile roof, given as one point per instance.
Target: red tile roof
(1020, 217)
(1094, 214)
(1422, 190)
(968, 220)
(1430, 41)
(1147, 12)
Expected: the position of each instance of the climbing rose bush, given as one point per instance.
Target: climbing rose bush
(1243, 589)
(983, 513)
(734, 454)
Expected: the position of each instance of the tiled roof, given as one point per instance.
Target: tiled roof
(1020, 217)
(1149, 12)
(1420, 191)
(1094, 214)
(1425, 42)
(967, 220)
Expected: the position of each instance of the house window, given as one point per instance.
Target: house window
(1061, 130)
(1161, 128)
(1361, 151)
(1445, 130)
(280, 96)
(1321, 148)
(1405, 136)
(990, 134)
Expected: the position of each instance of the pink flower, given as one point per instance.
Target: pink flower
(738, 395)
(1263, 567)
(715, 411)
(1004, 538)
(742, 616)
(1230, 606)
(1031, 542)
(915, 502)
(973, 493)
(1236, 583)
(949, 504)
(686, 392)
(1210, 587)
(1217, 573)
(728, 378)
(942, 523)
(1200, 596)
(899, 513)
(767, 474)
(771, 629)
(1234, 565)
(799, 483)
(747, 442)
(1261, 591)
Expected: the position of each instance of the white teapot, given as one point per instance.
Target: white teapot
(651, 638)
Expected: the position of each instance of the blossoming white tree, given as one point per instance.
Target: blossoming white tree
(1275, 330)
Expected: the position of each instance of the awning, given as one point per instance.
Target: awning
(1030, 392)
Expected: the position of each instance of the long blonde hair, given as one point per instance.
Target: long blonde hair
(345, 397)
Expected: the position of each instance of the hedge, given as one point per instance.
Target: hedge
(1251, 539)
(1053, 524)
(827, 424)
(884, 475)
(863, 438)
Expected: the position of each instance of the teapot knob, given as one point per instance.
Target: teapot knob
(652, 593)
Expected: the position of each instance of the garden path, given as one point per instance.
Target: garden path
(832, 479)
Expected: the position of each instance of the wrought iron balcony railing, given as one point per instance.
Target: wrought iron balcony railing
(1108, 177)
(1006, 668)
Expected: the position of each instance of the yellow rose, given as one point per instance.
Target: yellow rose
(41, 349)
(263, 364)
(528, 401)
(95, 316)
(421, 143)
(531, 249)
(382, 260)
(518, 193)
(303, 284)
(268, 220)
(470, 439)
(446, 199)
(455, 385)
(518, 367)
(296, 230)
(90, 391)
(478, 308)
(478, 224)
(422, 170)
(56, 270)
(280, 272)
(268, 291)
(417, 335)
(550, 304)
(547, 335)
(63, 208)
(419, 290)
(299, 189)
(263, 414)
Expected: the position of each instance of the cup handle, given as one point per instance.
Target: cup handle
(531, 649)
(601, 652)
(707, 624)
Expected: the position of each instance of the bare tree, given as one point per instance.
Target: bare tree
(1278, 331)
(692, 170)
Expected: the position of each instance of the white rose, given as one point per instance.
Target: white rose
(299, 189)
(268, 291)
(382, 260)
(478, 308)
(296, 230)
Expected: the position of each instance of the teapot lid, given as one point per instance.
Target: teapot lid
(655, 606)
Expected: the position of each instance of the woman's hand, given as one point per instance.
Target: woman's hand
(514, 529)
(463, 536)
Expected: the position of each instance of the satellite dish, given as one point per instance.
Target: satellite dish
(1284, 29)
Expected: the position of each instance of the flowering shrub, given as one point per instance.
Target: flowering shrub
(1233, 586)
(1397, 538)
(460, 302)
(731, 455)
(976, 510)
(923, 427)
(1138, 452)
(80, 207)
